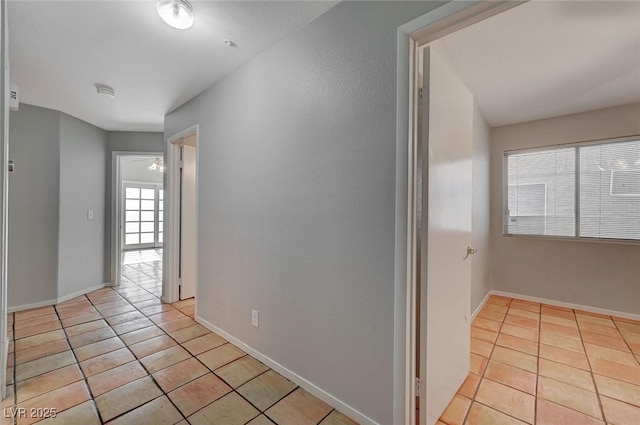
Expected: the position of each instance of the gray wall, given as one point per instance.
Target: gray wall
(63, 169)
(54, 250)
(297, 201)
(135, 141)
(33, 206)
(127, 141)
(480, 262)
(83, 153)
(597, 274)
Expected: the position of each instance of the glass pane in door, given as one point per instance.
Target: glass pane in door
(143, 216)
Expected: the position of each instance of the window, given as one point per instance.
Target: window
(581, 191)
(143, 212)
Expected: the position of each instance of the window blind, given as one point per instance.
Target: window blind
(610, 190)
(583, 191)
(541, 193)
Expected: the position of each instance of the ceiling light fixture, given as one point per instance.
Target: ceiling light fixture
(176, 13)
(105, 91)
(157, 165)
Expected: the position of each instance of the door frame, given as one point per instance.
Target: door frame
(4, 190)
(171, 252)
(444, 20)
(116, 202)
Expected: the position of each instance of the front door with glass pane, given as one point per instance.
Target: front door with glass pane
(143, 215)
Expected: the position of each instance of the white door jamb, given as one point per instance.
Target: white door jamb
(442, 21)
(171, 253)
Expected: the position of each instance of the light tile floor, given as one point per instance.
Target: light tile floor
(124, 357)
(545, 365)
(144, 268)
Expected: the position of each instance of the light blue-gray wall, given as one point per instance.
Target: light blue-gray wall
(34, 188)
(63, 169)
(297, 201)
(83, 150)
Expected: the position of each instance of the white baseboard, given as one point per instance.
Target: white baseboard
(292, 376)
(567, 305)
(56, 300)
(482, 303)
(81, 292)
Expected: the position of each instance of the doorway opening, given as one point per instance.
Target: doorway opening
(182, 225)
(138, 222)
(436, 281)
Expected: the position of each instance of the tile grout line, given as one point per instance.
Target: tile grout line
(466, 416)
(193, 356)
(110, 295)
(537, 374)
(136, 359)
(593, 378)
(41, 358)
(234, 390)
(146, 274)
(516, 389)
(15, 366)
(490, 407)
(105, 318)
(84, 376)
(324, 417)
(625, 340)
(535, 397)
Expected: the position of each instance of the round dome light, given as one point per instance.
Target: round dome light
(176, 13)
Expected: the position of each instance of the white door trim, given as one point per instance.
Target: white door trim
(170, 289)
(444, 20)
(4, 190)
(116, 201)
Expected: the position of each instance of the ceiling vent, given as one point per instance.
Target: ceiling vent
(105, 91)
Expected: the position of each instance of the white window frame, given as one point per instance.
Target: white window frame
(576, 236)
(156, 187)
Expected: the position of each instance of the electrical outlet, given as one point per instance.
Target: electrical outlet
(90, 215)
(254, 318)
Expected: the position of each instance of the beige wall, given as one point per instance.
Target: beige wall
(596, 274)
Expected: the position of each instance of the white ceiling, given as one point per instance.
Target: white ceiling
(538, 60)
(545, 59)
(59, 50)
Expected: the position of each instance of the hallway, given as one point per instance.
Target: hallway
(123, 357)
